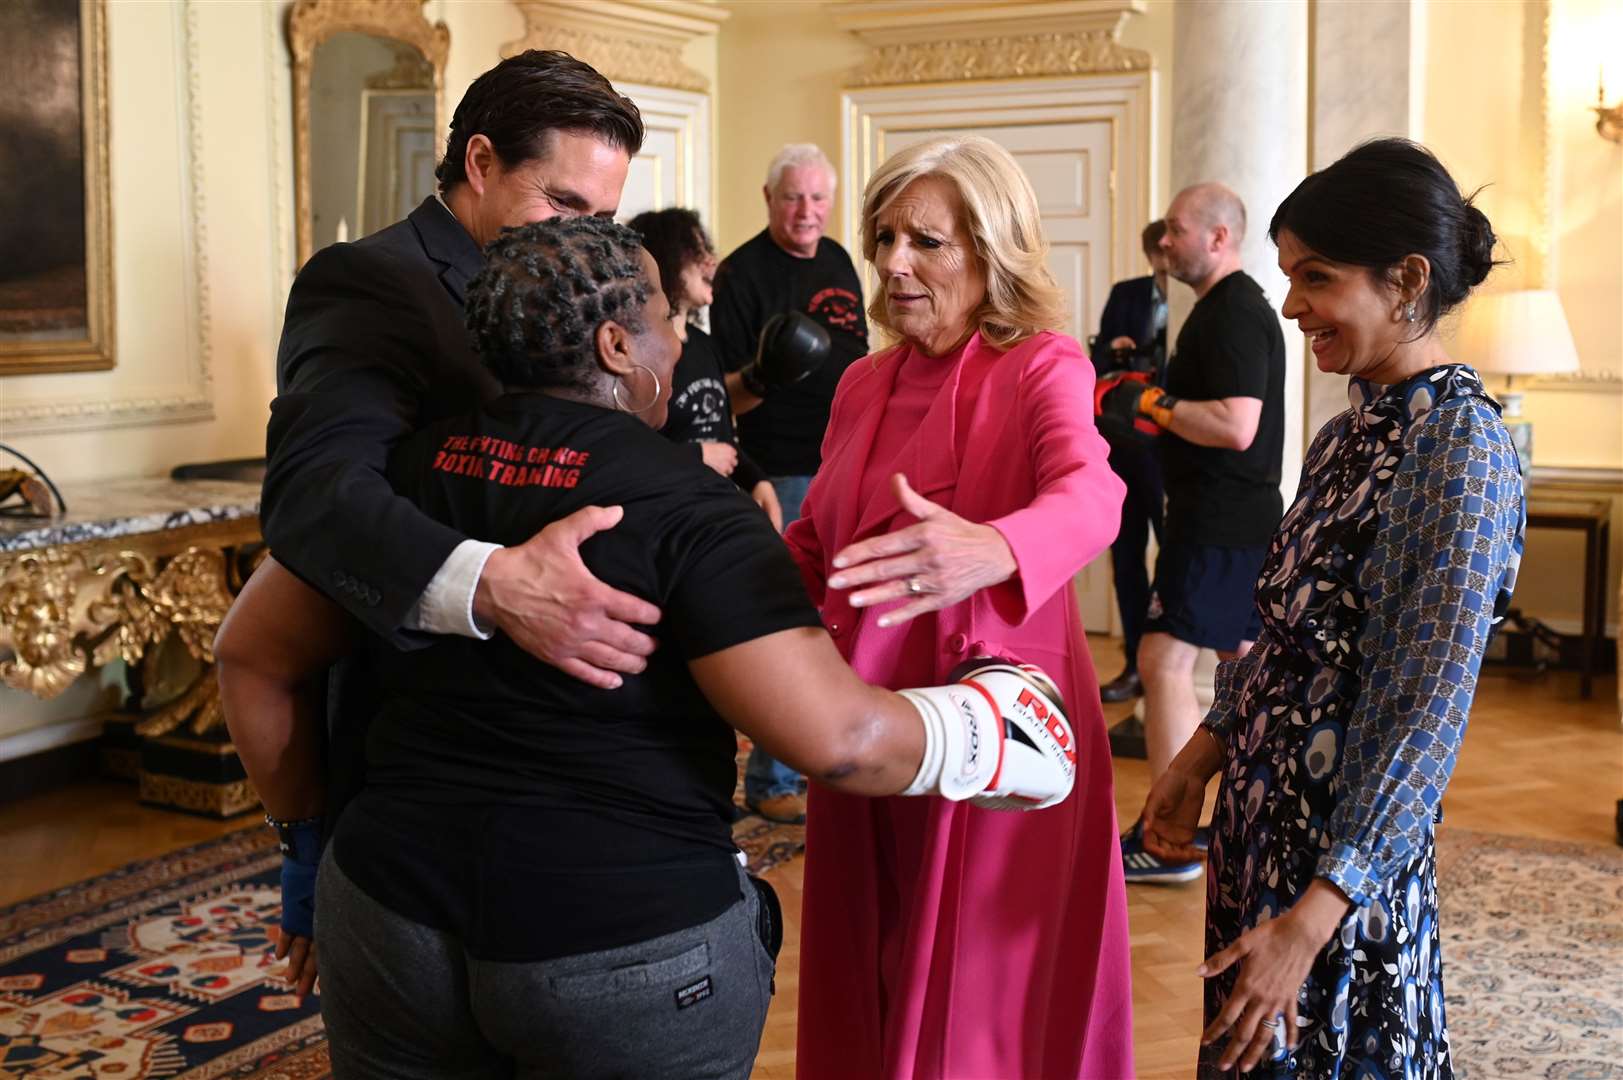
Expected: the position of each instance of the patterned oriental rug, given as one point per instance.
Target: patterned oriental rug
(159, 969)
(1532, 956)
(163, 969)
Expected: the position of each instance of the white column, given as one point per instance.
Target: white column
(1368, 80)
(1239, 117)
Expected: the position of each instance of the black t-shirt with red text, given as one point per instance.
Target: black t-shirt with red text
(529, 814)
(784, 434)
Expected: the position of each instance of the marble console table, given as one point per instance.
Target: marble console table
(133, 569)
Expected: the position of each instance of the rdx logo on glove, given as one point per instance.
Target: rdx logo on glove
(1051, 723)
(998, 737)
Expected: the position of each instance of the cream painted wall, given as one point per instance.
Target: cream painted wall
(780, 69)
(1581, 225)
(1152, 32)
(194, 192)
(1465, 125)
(782, 66)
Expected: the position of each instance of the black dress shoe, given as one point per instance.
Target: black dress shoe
(1122, 688)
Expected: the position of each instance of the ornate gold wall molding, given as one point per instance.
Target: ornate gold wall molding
(627, 40)
(926, 41)
(999, 58)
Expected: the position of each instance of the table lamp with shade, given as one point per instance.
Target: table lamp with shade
(1524, 332)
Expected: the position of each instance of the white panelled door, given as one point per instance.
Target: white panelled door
(673, 167)
(1084, 143)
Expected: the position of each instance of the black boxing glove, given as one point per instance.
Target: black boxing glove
(791, 347)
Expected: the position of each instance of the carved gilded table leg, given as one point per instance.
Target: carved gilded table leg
(68, 609)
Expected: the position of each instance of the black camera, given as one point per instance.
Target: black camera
(1134, 359)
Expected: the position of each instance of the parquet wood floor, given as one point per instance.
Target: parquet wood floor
(1537, 762)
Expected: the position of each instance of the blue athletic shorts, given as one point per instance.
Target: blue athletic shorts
(1204, 594)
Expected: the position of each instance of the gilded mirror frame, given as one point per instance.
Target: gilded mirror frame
(311, 22)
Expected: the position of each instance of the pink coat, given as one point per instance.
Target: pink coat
(941, 940)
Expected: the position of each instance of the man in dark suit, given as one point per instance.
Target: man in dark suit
(1133, 335)
(373, 347)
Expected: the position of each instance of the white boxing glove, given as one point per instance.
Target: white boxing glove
(998, 736)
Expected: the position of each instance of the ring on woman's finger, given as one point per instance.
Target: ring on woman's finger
(915, 586)
(1275, 1022)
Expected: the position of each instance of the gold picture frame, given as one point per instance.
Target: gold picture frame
(46, 323)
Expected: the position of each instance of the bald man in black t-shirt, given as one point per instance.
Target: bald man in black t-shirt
(1221, 418)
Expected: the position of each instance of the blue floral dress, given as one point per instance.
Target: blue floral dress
(1342, 725)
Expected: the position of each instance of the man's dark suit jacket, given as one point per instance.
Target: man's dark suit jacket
(373, 347)
(1129, 311)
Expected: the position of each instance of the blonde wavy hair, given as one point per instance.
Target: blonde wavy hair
(1022, 297)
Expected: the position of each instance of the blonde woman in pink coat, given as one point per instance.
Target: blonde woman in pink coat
(962, 487)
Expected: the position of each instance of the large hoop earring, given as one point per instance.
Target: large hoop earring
(614, 392)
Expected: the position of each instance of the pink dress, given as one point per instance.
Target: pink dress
(941, 940)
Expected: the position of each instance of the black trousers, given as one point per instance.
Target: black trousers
(1140, 469)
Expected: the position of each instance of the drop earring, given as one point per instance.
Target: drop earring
(1408, 311)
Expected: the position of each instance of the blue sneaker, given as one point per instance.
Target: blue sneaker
(1140, 866)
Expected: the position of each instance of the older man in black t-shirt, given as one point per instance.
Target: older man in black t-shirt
(788, 266)
(1221, 421)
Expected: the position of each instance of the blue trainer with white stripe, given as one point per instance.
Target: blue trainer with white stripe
(1140, 866)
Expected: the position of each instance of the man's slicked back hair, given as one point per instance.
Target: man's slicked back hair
(520, 102)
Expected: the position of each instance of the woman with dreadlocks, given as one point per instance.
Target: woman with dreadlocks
(538, 877)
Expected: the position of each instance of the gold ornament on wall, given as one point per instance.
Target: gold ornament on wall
(1022, 56)
(633, 41)
(922, 41)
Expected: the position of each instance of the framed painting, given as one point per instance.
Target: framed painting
(56, 274)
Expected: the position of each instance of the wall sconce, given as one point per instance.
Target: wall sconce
(1608, 118)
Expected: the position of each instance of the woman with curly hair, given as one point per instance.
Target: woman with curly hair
(700, 413)
(538, 877)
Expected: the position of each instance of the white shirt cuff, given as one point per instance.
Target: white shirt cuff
(446, 606)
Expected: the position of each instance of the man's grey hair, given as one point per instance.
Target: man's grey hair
(795, 155)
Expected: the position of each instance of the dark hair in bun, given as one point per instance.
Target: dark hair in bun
(1387, 199)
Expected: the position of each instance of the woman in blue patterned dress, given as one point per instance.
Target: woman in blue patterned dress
(1336, 735)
